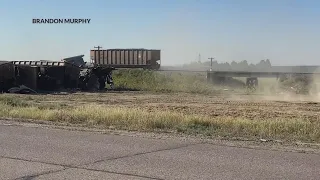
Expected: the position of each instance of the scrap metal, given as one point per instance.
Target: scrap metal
(46, 75)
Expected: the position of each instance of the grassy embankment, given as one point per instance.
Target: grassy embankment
(163, 81)
(188, 82)
(92, 114)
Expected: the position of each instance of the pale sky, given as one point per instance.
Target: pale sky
(284, 31)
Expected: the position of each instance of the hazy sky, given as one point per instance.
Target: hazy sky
(284, 31)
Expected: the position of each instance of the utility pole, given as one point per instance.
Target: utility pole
(211, 58)
(98, 47)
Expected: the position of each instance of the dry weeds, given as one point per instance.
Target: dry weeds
(211, 115)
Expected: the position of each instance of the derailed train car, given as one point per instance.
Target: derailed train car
(46, 75)
(73, 72)
(7, 75)
(39, 76)
(91, 77)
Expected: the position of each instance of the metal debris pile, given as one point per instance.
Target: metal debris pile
(43, 76)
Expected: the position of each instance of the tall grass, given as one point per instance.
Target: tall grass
(163, 81)
(142, 120)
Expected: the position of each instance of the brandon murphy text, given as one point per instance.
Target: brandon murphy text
(61, 21)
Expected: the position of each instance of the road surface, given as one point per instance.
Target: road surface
(47, 153)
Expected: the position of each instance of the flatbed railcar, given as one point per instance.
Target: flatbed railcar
(252, 75)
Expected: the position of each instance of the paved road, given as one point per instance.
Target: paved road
(45, 153)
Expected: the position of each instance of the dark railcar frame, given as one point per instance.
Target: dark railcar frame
(47, 75)
(7, 75)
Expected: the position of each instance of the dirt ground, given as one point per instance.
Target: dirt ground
(247, 106)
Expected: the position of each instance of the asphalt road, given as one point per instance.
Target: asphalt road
(44, 153)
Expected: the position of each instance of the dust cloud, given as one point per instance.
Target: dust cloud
(315, 86)
(274, 92)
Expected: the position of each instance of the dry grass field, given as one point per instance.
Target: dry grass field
(227, 116)
(177, 103)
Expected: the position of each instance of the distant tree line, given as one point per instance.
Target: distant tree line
(242, 65)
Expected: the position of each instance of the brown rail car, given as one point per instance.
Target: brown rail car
(127, 58)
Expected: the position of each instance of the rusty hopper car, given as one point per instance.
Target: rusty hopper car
(47, 75)
(7, 75)
(127, 58)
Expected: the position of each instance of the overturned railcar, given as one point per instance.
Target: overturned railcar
(7, 75)
(127, 58)
(76, 60)
(91, 77)
(47, 75)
